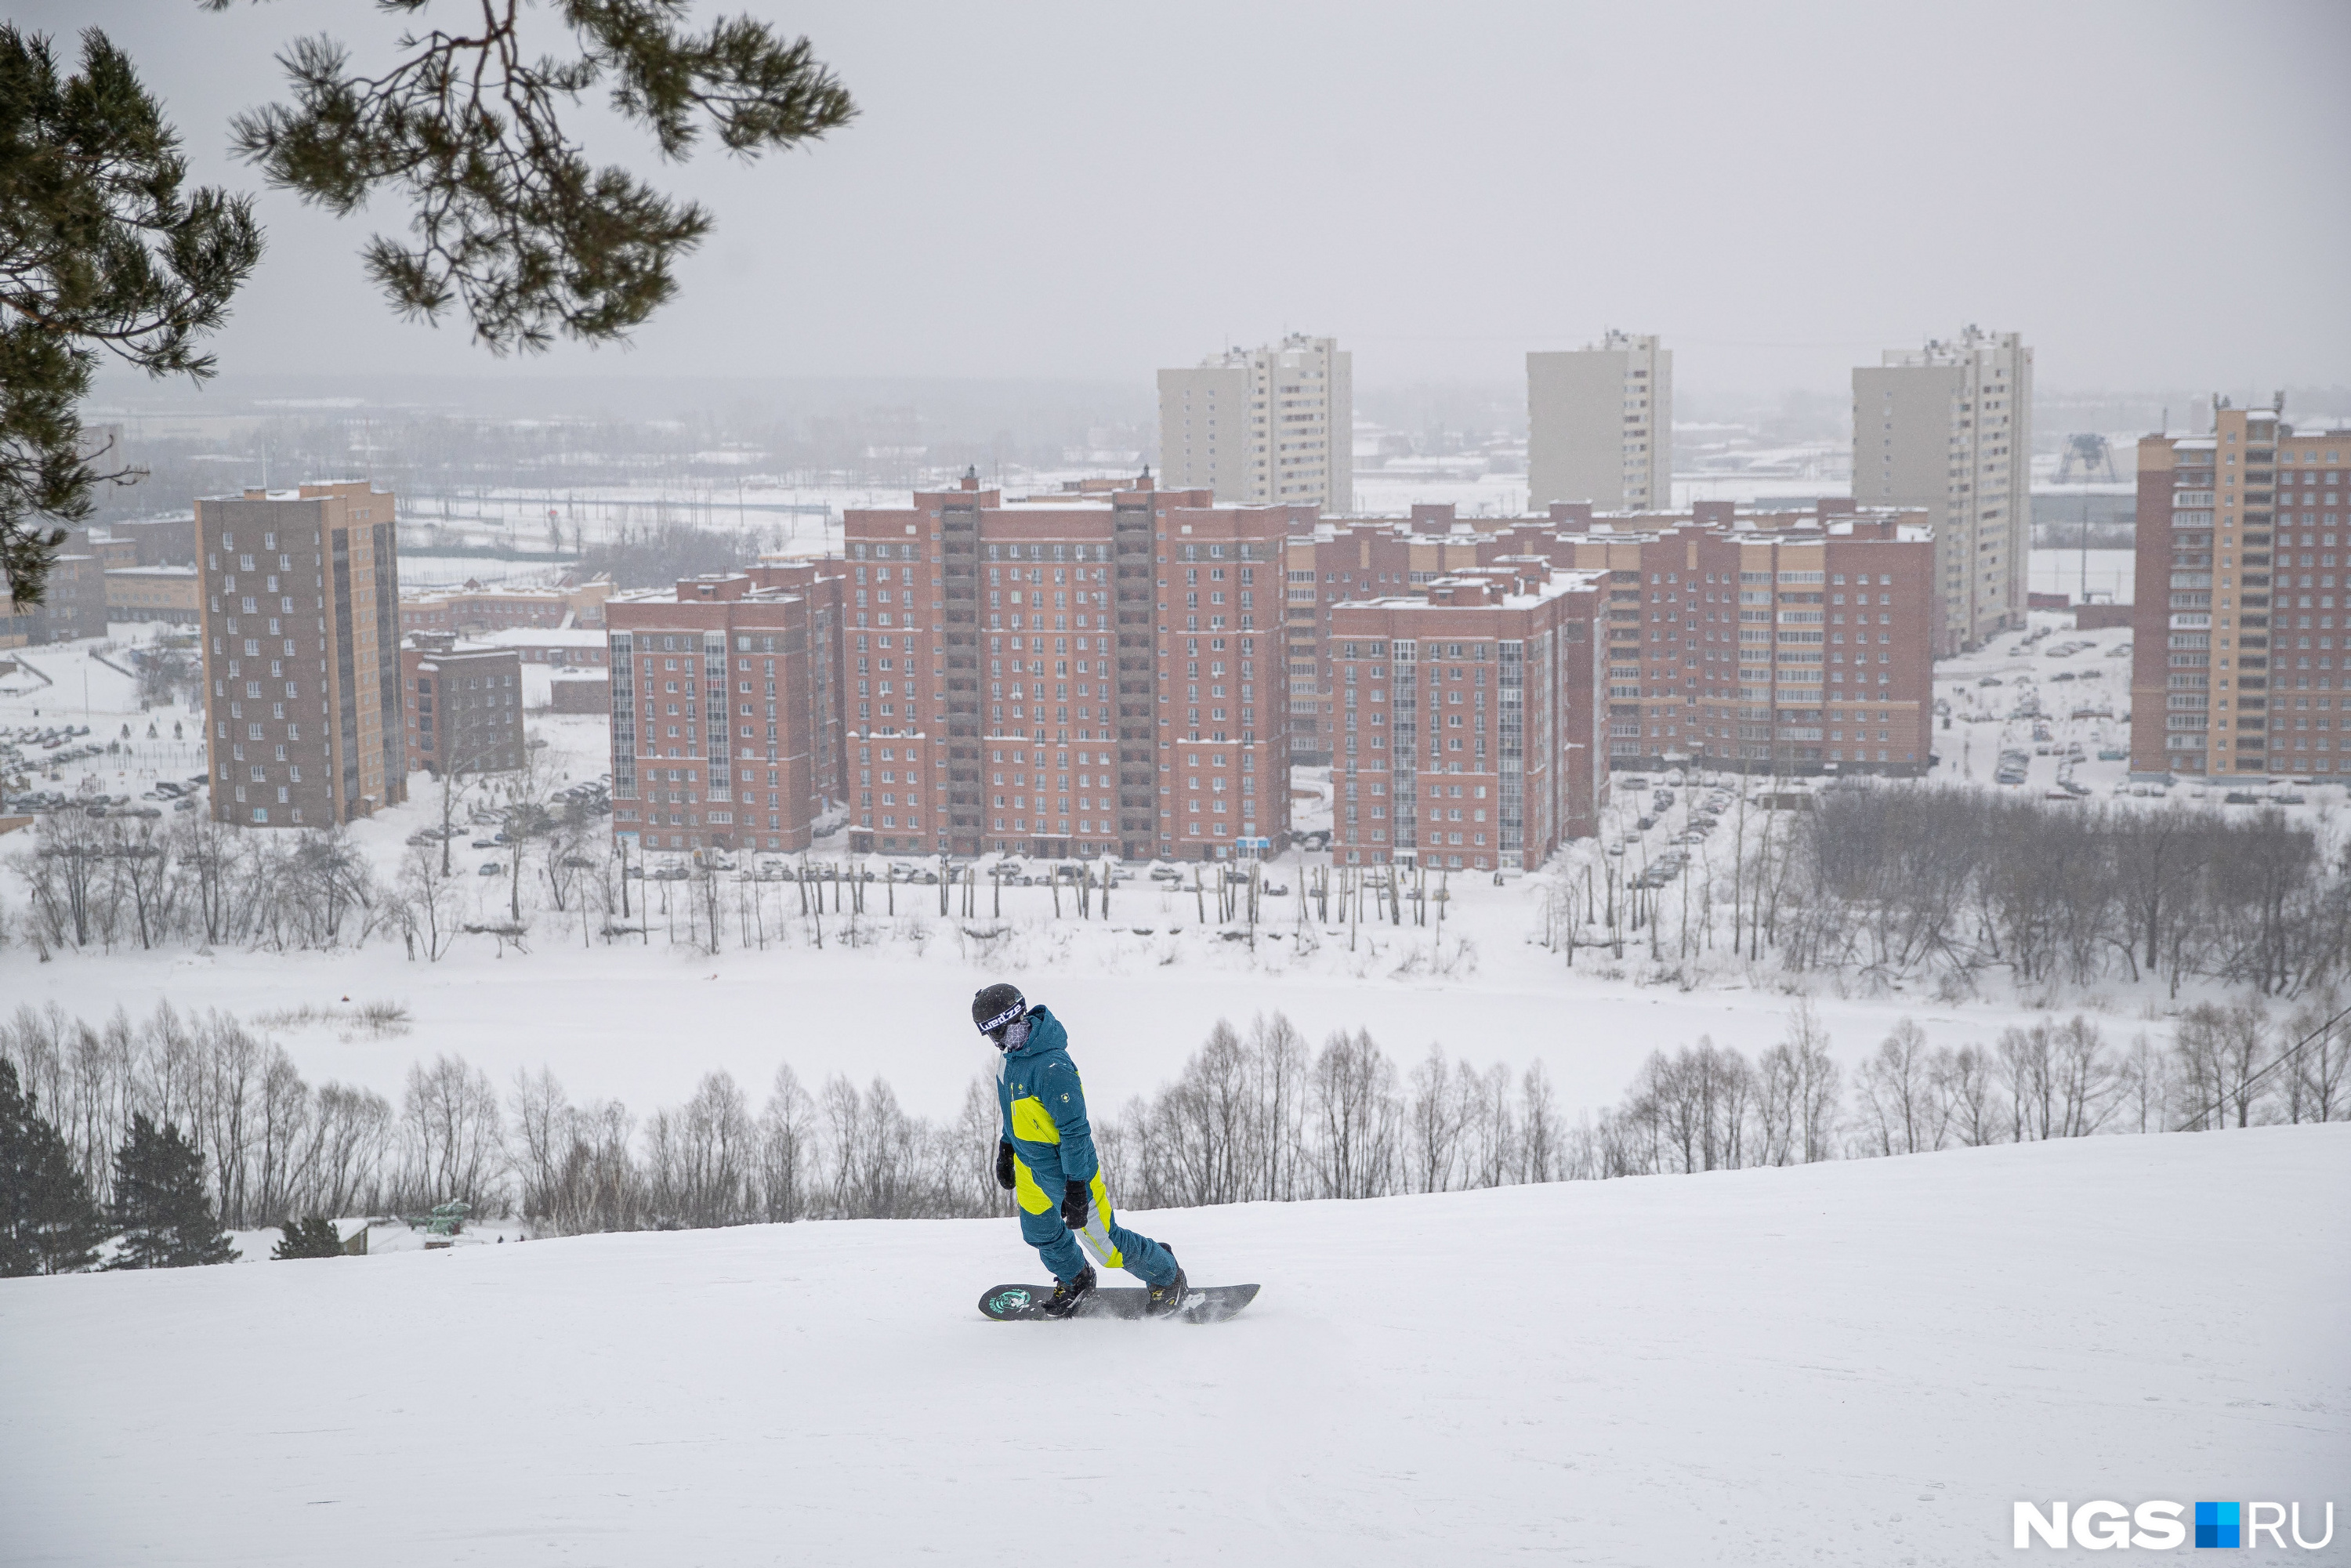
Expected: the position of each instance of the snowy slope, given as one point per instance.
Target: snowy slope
(1856, 1363)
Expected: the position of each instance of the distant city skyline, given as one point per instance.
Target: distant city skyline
(1797, 225)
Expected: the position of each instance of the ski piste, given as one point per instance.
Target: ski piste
(1202, 1304)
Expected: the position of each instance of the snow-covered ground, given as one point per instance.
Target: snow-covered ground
(1862, 1362)
(2106, 576)
(2094, 677)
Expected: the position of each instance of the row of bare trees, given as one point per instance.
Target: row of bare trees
(1254, 1116)
(122, 883)
(1709, 1108)
(1261, 1117)
(275, 1146)
(840, 1154)
(1899, 882)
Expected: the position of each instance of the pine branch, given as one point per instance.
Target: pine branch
(508, 220)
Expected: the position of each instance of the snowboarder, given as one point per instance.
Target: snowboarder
(1045, 1158)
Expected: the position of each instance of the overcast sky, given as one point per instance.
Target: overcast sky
(2154, 194)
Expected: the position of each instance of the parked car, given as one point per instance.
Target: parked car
(491, 868)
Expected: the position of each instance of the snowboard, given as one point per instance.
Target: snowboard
(1202, 1304)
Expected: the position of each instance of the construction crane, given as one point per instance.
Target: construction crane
(2087, 459)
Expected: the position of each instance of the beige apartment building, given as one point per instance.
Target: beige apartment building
(301, 638)
(1600, 425)
(1947, 429)
(153, 594)
(2240, 601)
(1270, 426)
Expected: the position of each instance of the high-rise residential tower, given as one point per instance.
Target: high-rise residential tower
(1947, 429)
(1097, 672)
(1270, 426)
(1600, 425)
(2236, 628)
(302, 629)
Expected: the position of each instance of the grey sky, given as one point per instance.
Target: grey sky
(1092, 191)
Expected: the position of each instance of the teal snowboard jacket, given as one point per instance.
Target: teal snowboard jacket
(1044, 1112)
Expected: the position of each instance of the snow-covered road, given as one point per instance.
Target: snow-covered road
(1860, 1362)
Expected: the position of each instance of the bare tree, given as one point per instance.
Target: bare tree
(539, 1115)
(1435, 1125)
(700, 1156)
(2315, 1084)
(1542, 1138)
(430, 900)
(2089, 1080)
(450, 1116)
(787, 1149)
(1896, 1093)
(1356, 1118)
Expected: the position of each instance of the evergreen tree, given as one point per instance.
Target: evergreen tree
(48, 1223)
(161, 1205)
(102, 250)
(311, 1237)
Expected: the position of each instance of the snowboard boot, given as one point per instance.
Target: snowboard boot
(1068, 1293)
(1167, 1300)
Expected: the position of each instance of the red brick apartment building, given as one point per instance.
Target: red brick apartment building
(1731, 638)
(724, 702)
(2242, 601)
(465, 705)
(1118, 669)
(1042, 674)
(1795, 643)
(1469, 733)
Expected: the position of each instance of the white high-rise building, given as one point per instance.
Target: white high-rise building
(1600, 426)
(1948, 428)
(1263, 426)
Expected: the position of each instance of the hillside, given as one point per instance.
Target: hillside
(1857, 1363)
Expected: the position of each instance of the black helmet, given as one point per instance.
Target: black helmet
(995, 1007)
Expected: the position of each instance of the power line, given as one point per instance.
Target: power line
(2221, 1105)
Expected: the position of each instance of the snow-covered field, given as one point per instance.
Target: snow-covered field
(1860, 1362)
(2103, 574)
(643, 1024)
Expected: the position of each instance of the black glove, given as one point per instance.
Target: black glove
(1074, 1206)
(1004, 1165)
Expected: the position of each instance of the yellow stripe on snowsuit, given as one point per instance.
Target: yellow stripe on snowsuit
(1095, 1236)
(1033, 1123)
(1026, 1191)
